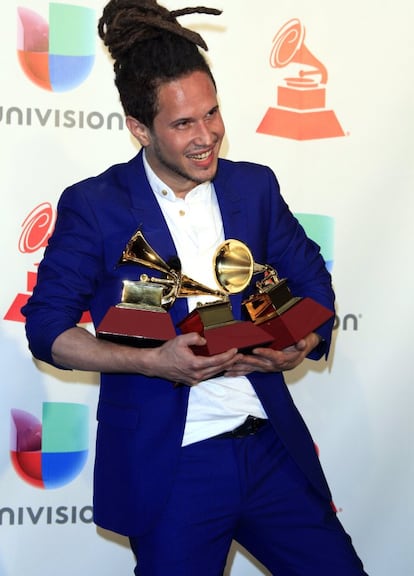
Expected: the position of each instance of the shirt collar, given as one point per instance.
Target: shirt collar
(164, 192)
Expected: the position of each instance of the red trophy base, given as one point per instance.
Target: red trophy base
(297, 322)
(136, 327)
(235, 334)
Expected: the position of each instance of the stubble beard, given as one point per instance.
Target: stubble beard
(177, 170)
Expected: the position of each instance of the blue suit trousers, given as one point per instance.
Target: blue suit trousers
(249, 490)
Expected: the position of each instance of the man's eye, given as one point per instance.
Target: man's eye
(182, 125)
(212, 113)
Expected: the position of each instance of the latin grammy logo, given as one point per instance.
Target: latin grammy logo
(37, 228)
(300, 113)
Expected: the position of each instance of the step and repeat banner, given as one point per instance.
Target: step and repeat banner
(323, 93)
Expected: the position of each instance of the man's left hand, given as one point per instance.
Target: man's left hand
(269, 360)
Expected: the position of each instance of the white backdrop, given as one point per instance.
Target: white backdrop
(359, 406)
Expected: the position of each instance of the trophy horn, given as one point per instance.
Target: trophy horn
(140, 252)
(177, 285)
(234, 266)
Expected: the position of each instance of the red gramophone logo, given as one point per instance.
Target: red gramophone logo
(37, 229)
(300, 112)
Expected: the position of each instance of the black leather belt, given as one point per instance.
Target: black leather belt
(249, 427)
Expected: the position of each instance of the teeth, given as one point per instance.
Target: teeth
(200, 156)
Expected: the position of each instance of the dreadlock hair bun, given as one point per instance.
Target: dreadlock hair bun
(125, 22)
(149, 47)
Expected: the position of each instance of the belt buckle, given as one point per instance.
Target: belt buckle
(249, 427)
(252, 425)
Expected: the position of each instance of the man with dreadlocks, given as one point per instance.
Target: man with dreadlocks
(184, 470)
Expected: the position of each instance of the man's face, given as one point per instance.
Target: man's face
(183, 145)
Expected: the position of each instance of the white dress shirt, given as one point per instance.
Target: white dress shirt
(222, 403)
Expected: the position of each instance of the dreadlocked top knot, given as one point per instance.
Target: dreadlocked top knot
(124, 23)
(149, 47)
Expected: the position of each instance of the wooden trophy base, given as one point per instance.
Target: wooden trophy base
(221, 337)
(136, 327)
(304, 317)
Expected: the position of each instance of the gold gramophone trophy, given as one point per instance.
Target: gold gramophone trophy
(285, 317)
(233, 269)
(141, 318)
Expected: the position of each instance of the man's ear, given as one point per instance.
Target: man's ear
(138, 130)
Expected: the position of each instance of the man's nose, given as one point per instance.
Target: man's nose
(204, 133)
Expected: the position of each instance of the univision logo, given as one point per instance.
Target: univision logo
(50, 453)
(57, 55)
(320, 228)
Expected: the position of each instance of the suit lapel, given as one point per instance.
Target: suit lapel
(150, 220)
(230, 202)
(146, 211)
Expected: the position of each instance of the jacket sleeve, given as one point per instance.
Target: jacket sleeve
(67, 274)
(284, 245)
(299, 259)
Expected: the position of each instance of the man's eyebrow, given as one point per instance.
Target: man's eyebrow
(214, 108)
(181, 120)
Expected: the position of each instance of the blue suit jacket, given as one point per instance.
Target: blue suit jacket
(141, 420)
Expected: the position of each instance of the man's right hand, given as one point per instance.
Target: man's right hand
(78, 349)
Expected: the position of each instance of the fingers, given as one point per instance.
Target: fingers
(267, 360)
(178, 363)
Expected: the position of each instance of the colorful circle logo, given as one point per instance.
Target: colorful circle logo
(58, 55)
(50, 453)
(320, 228)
